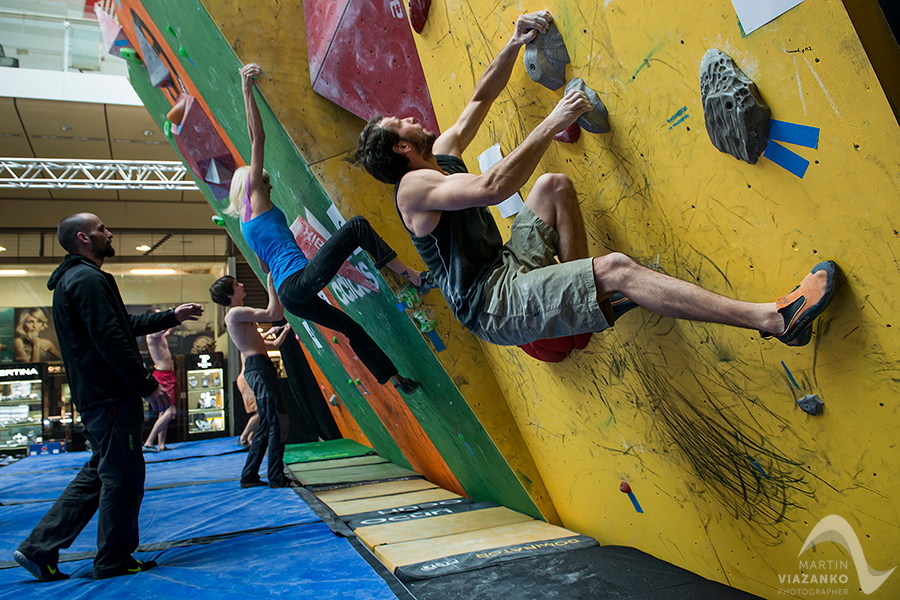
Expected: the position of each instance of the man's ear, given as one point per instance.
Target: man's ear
(83, 237)
(402, 147)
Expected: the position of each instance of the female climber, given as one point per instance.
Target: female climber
(298, 279)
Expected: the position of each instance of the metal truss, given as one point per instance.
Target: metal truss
(56, 174)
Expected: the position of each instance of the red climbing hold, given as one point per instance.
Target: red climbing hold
(569, 135)
(556, 349)
(418, 13)
(625, 487)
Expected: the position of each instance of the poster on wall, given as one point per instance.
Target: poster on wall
(27, 334)
(6, 335)
(34, 336)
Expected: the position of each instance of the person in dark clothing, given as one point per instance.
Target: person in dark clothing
(242, 322)
(107, 379)
(516, 293)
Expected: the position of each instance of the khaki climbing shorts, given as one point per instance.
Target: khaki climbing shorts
(530, 296)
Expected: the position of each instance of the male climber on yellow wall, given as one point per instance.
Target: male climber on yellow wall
(517, 293)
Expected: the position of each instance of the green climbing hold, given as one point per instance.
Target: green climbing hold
(131, 55)
(171, 30)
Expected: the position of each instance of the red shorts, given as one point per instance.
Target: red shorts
(167, 380)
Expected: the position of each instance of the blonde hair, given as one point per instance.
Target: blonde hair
(36, 314)
(239, 190)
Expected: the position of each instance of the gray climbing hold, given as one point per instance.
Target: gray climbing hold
(737, 119)
(597, 120)
(811, 404)
(156, 69)
(546, 58)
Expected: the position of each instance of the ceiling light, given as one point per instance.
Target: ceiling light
(148, 132)
(2, 249)
(66, 128)
(12, 272)
(142, 248)
(153, 271)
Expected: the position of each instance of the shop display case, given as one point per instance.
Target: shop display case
(205, 375)
(21, 406)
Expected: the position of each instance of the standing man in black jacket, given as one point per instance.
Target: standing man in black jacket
(108, 379)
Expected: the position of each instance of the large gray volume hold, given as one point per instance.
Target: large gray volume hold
(737, 119)
(597, 120)
(546, 58)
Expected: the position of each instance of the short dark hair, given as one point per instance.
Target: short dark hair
(375, 151)
(222, 290)
(68, 230)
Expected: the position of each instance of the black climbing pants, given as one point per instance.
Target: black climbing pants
(299, 291)
(263, 380)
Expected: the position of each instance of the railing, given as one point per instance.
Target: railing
(24, 173)
(56, 43)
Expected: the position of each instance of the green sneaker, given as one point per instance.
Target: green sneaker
(41, 572)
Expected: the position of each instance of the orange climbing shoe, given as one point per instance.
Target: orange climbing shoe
(808, 300)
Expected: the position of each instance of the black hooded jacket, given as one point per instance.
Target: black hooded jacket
(97, 336)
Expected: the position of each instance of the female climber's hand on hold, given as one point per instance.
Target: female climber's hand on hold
(250, 72)
(572, 106)
(528, 26)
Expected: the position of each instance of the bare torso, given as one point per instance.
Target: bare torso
(245, 336)
(159, 351)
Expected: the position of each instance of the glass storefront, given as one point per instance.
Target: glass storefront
(28, 339)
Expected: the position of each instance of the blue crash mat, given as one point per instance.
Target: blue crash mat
(176, 514)
(307, 561)
(74, 460)
(36, 487)
(207, 468)
(44, 462)
(49, 484)
(196, 449)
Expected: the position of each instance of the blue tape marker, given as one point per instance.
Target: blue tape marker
(364, 388)
(685, 116)
(791, 377)
(401, 306)
(634, 501)
(436, 340)
(469, 447)
(120, 43)
(786, 159)
(793, 133)
(758, 467)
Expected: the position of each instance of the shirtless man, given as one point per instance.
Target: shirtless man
(516, 293)
(241, 323)
(164, 373)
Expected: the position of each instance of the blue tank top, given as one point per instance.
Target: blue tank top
(269, 236)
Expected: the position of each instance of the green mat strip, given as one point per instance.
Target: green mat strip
(351, 474)
(328, 450)
(337, 463)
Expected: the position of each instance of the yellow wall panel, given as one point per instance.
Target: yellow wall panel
(701, 420)
(672, 406)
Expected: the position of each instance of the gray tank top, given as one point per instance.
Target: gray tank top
(461, 252)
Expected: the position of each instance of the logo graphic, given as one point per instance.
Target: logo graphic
(834, 528)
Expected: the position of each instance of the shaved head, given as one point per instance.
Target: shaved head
(69, 228)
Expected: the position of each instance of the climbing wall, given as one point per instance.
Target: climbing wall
(726, 476)
(478, 451)
(701, 421)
